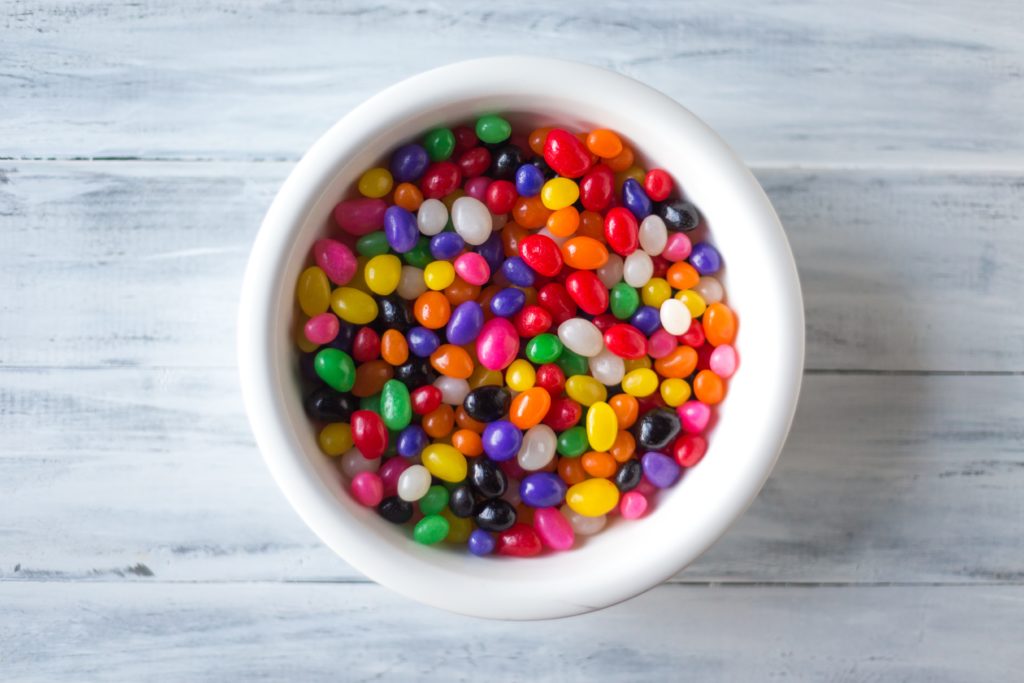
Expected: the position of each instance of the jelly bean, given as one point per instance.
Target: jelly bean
(353, 306)
(607, 368)
(604, 143)
(444, 462)
(572, 363)
(554, 298)
(640, 382)
(366, 345)
(486, 478)
(597, 189)
(501, 440)
(465, 323)
(538, 449)
(481, 543)
(531, 321)
(566, 154)
(453, 390)
(693, 302)
(431, 217)
(495, 515)
(634, 173)
(482, 377)
(677, 247)
(411, 441)
(583, 524)
(422, 342)
(724, 361)
(602, 426)
(518, 273)
(709, 289)
(530, 407)
(581, 336)
(529, 180)
(360, 216)
(598, 464)
(492, 129)
(623, 447)
(587, 291)
(633, 505)
(689, 449)
(660, 470)
(542, 490)
(530, 212)
(705, 258)
(611, 272)
(521, 540)
(327, 405)
(558, 193)
(657, 428)
(572, 442)
(371, 377)
(419, 256)
(719, 324)
(593, 497)
(658, 184)
(629, 476)
(621, 231)
(472, 268)
(477, 187)
(708, 387)
(408, 196)
(563, 414)
(653, 235)
(313, 291)
(675, 317)
(625, 341)
(335, 259)
(492, 251)
(551, 377)
(655, 292)
(544, 348)
(661, 343)
(585, 390)
(584, 253)
(353, 462)
(446, 246)
(674, 392)
(375, 183)
(542, 254)
(646, 319)
(369, 433)
(553, 529)
(432, 310)
(497, 344)
(439, 143)
(472, 220)
(520, 375)
(336, 369)
(500, 196)
(367, 489)
(430, 530)
(374, 244)
(409, 162)
(335, 438)
(508, 302)
(439, 275)
(435, 501)
(382, 274)
(322, 328)
(679, 215)
(440, 179)
(395, 405)
(638, 269)
(694, 416)
(395, 510)
(487, 403)
(623, 300)
(461, 291)
(570, 470)
(635, 199)
(413, 483)
(564, 222)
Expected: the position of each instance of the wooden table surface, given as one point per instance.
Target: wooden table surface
(141, 536)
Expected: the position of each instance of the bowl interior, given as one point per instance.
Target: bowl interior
(761, 285)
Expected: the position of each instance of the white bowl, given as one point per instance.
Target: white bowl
(761, 282)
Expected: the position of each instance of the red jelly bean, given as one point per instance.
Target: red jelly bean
(369, 434)
(520, 540)
(566, 154)
(597, 188)
(531, 321)
(621, 231)
(440, 179)
(512, 469)
(501, 196)
(366, 345)
(473, 162)
(563, 413)
(425, 399)
(465, 138)
(604, 321)
(626, 341)
(661, 266)
(557, 302)
(390, 472)
(542, 254)
(587, 291)
(689, 449)
(360, 216)
(694, 336)
(657, 185)
(550, 377)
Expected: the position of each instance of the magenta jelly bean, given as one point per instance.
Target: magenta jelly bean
(633, 505)
(323, 328)
(389, 473)
(554, 529)
(497, 344)
(472, 268)
(723, 361)
(677, 248)
(360, 216)
(367, 488)
(336, 260)
(660, 344)
(477, 187)
(694, 416)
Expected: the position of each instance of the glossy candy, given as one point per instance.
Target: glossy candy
(602, 426)
(581, 336)
(587, 291)
(360, 216)
(465, 323)
(566, 154)
(592, 498)
(541, 254)
(621, 231)
(538, 448)
(395, 405)
(369, 433)
(520, 540)
(501, 440)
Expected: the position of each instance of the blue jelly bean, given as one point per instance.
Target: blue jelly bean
(493, 251)
(508, 302)
(445, 246)
(635, 199)
(660, 470)
(542, 490)
(409, 162)
(346, 335)
(422, 342)
(401, 229)
(705, 258)
(529, 180)
(501, 440)
(411, 441)
(481, 542)
(647, 319)
(465, 323)
(517, 272)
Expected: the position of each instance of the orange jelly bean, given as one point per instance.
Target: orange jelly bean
(679, 363)
(584, 253)
(719, 324)
(627, 409)
(464, 421)
(460, 291)
(485, 299)
(530, 212)
(408, 196)
(708, 387)
(511, 235)
(394, 348)
(604, 143)
(432, 310)
(530, 407)
(682, 275)
(370, 378)
(564, 222)
(452, 361)
(571, 471)
(591, 225)
(601, 465)
(538, 138)
(467, 442)
(450, 198)
(524, 514)
(621, 161)
(624, 446)
(439, 422)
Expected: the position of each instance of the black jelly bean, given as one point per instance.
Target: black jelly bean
(394, 313)
(656, 429)
(461, 501)
(487, 404)
(505, 161)
(346, 335)
(678, 215)
(495, 515)
(416, 372)
(395, 510)
(629, 475)
(327, 405)
(487, 478)
(543, 167)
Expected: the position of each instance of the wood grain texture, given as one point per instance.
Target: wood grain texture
(901, 270)
(149, 474)
(108, 632)
(905, 83)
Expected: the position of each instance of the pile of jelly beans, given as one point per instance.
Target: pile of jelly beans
(508, 339)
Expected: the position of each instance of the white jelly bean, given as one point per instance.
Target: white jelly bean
(538, 448)
(584, 526)
(354, 462)
(607, 368)
(413, 483)
(581, 336)
(410, 283)
(710, 289)
(610, 274)
(472, 220)
(453, 390)
(653, 235)
(675, 317)
(432, 216)
(554, 238)
(637, 269)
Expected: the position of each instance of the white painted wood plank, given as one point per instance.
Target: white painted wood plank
(203, 632)
(151, 474)
(902, 270)
(909, 83)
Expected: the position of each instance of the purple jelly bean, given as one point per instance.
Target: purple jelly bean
(529, 180)
(635, 199)
(422, 342)
(481, 542)
(401, 229)
(346, 335)
(465, 323)
(307, 368)
(660, 470)
(647, 319)
(360, 216)
(445, 246)
(408, 163)
(508, 302)
(517, 272)
(493, 251)
(502, 440)
(411, 441)
(705, 258)
(542, 490)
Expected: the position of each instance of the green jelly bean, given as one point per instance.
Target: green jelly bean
(430, 530)
(395, 405)
(336, 368)
(544, 348)
(435, 500)
(492, 128)
(373, 244)
(439, 143)
(573, 363)
(371, 403)
(419, 256)
(572, 443)
(624, 300)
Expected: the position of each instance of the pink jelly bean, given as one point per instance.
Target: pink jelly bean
(677, 248)
(498, 344)
(336, 260)
(633, 505)
(368, 489)
(323, 328)
(694, 416)
(554, 529)
(512, 469)
(645, 487)
(723, 361)
(389, 473)
(477, 187)
(472, 268)
(360, 216)
(661, 344)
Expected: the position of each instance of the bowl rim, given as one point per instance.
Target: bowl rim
(409, 570)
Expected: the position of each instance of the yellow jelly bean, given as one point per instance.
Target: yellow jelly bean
(358, 280)
(675, 391)
(382, 274)
(656, 292)
(602, 426)
(313, 291)
(336, 438)
(459, 528)
(641, 382)
(585, 390)
(353, 306)
(444, 462)
(520, 376)
(693, 301)
(439, 275)
(593, 497)
(375, 183)
(631, 364)
(482, 377)
(559, 193)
